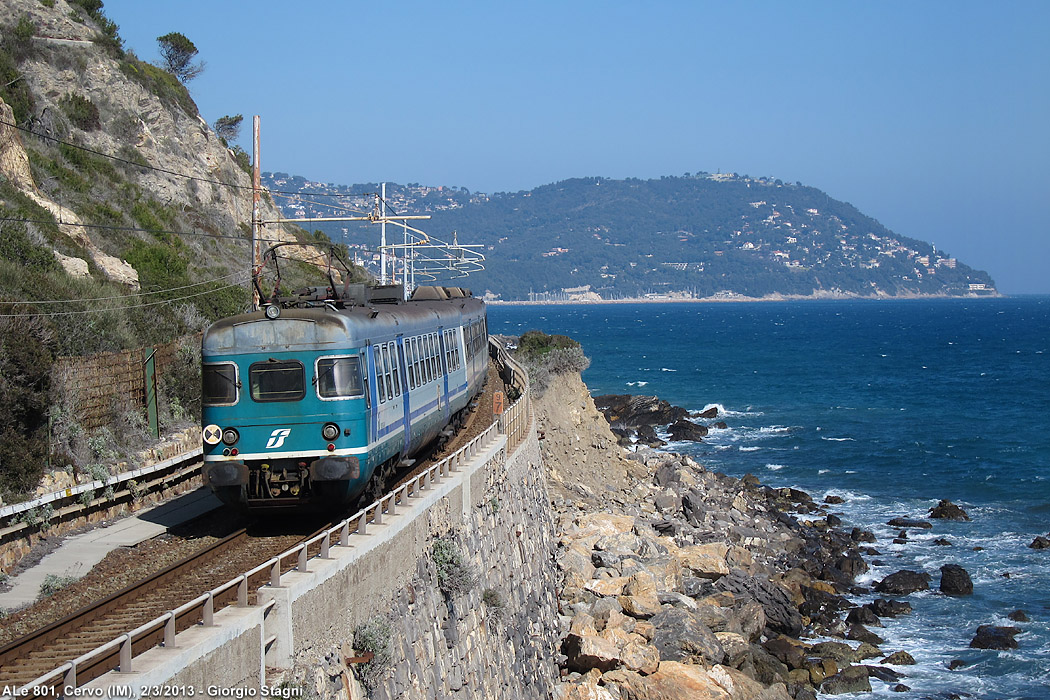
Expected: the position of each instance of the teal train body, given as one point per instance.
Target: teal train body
(303, 405)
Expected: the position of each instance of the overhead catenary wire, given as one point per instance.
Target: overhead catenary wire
(239, 273)
(239, 283)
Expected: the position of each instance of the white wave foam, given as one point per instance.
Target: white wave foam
(665, 369)
(723, 411)
(774, 467)
(750, 449)
(823, 471)
(637, 383)
(774, 429)
(845, 439)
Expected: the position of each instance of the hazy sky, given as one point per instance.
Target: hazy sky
(932, 117)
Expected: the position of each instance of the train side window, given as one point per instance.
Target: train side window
(339, 377)
(427, 366)
(395, 368)
(435, 367)
(219, 384)
(380, 374)
(387, 371)
(277, 380)
(411, 379)
(415, 362)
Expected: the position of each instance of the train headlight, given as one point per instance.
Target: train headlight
(330, 431)
(230, 436)
(272, 312)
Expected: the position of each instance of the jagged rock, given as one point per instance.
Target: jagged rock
(941, 542)
(1040, 542)
(866, 651)
(646, 435)
(910, 522)
(886, 675)
(846, 567)
(904, 582)
(736, 647)
(955, 664)
(671, 681)
(781, 614)
(831, 499)
(641, 657)
(705, 560)
(721, 425)
(863, 616)
(852, 679)
(1018, 616)
(693, 507)
(992, 637)
(889, 608)
(955, 580)
(901, 688)
(899, 658)
(819, 605)
(687, 430)
(680, 636)
(602, 559)
(838, 651)
(641, 606)
(709, 413)
(947, 510)
(859, 535)
(860, 633)
(633, 411)
(790, 652)
(590, 651)
(586, 689)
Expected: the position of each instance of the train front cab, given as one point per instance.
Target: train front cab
(285, 429)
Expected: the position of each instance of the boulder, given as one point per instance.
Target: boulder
(838, 651)
(941, 542)
(687, 430)
(646, 435)
(904, 582)
(705, 560)
(781, 613)
(886, 675)
(889, 608)
(899, 658)
(860, 633)
(679, 635)
(1040, 542)
(852, 679)
(992, 637)
(624, 410)
(859, 535)
(590, 651)
(955, 580)
(910, 522)
(947, 510)
(1018, 616)
(863, 616)
(709, 413)
(834, 500)
(671, 681)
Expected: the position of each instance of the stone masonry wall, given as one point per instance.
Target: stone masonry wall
(492, 641)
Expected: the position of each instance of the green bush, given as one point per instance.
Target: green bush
(454, 572)
(14, 89)
(81, 111)
(25, 382)
(546, 356)
(373, 636)
(159, 82)
(53, 584)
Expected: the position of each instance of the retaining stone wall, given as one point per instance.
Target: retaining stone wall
(459, 646)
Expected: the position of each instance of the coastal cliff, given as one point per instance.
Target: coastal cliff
(682, 582)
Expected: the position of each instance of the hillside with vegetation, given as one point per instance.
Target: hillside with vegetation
(694, 236)
(124, 223)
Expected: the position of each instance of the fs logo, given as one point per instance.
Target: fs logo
(277, 438)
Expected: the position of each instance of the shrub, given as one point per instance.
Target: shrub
(454, 572)
(81, 111)
(14, 89)
(53, 583)
(494, 602)
(373, 636)
(546, 356)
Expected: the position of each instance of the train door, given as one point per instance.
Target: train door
(406, 393)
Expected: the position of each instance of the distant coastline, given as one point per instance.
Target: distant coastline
(738, 299)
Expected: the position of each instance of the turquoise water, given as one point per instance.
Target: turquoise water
(890, 404)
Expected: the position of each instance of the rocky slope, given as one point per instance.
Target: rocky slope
(680, 582)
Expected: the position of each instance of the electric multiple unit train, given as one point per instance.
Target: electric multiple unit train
(304, 402)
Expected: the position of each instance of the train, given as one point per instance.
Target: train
(311, 399)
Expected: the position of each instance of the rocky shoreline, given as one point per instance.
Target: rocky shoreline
(682, 582)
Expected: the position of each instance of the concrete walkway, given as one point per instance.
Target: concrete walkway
(78, 554)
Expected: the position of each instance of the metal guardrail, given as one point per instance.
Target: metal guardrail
(9, 512)
(201, 610)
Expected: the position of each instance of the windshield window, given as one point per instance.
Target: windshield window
(219, 384)
(277, 380)
(339, 377)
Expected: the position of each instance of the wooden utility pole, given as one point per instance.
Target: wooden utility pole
(256, 185)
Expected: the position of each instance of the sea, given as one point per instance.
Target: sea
(890, 404)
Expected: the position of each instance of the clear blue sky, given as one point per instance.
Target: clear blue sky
(933, 117)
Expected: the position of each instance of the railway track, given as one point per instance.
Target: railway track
(33, 655)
